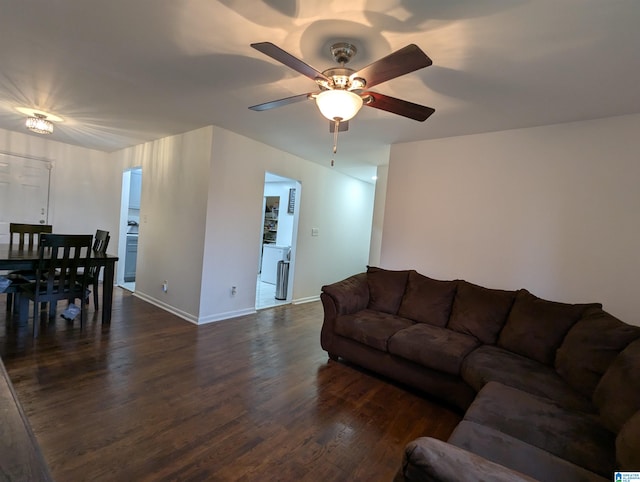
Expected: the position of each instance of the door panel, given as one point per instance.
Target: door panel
(24, 192)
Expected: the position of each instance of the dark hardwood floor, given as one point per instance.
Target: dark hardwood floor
(153, 397)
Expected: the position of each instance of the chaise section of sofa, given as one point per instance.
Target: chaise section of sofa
(535, 435)
(551, 390)
(428, 459)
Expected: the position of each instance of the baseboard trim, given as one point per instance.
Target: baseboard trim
(225, 316)
(308, 299)
(166, 307)
(189, 317)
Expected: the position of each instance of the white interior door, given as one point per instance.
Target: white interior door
(24, 192)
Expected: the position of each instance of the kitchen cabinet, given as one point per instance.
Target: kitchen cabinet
(271, 254)
(131, 258)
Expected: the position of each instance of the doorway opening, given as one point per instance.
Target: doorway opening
(280, 208)
(129, 223)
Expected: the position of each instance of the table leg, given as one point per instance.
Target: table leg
(107, 292)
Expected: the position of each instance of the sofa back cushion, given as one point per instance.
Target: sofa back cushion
(617, 396)
(480, 312)
(589, 348)
(427, 300)
(386, 288)
(535, 327)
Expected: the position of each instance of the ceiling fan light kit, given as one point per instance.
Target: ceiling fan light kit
(339, 105)
(342, 92)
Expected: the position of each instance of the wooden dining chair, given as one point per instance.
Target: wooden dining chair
(100, 244)
(27, 235)
(61, 274)
(22, 236)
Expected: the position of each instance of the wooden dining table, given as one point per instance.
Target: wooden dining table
(12, 258)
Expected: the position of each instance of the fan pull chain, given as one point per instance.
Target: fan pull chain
(335, 134)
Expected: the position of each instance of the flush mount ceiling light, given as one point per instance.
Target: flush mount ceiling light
(39, 121)
(39, 124)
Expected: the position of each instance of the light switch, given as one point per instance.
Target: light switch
(315, 231)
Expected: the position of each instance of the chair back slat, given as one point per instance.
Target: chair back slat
(27, 234)
(100, 244)
(101, 241)
(63, 261)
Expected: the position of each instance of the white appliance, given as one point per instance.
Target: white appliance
(271, 254)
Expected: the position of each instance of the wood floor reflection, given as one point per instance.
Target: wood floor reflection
(153, 397)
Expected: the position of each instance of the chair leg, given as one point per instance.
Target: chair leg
(53, 306)
(95, 296)
(24, 309)
(13, 302)
(36, 321)
(24, 314)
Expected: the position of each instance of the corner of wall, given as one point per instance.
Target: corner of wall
(375, 248)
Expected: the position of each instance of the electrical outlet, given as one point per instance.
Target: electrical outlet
(165, 286)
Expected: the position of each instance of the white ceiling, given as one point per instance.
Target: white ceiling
(121, 72)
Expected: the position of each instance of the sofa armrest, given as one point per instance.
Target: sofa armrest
(429, 459)
(349, 295)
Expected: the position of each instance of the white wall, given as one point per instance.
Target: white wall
(378, 215)
(175, 180)
(207, 185)
(82, 184)
(339, 206)
(552, 209)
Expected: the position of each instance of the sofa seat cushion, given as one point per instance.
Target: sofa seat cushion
(481, 312)
(372, 328)
(432, 346)
(491, 363)
(427, 300)
(628, 445)
(574, 436)
(618, 394)
(508, 451)
(536, 327)
(589, 348)
(386, 288)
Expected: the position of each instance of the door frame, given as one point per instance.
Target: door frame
(124, 218)
(297, 185)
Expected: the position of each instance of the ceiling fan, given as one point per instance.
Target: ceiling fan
(343, 91)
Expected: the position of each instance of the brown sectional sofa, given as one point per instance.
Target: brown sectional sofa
(551, 391)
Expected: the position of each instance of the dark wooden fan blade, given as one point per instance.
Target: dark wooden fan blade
(398, 106)
(400, 62)
(280, 102)
(289, 60)
(343, 126)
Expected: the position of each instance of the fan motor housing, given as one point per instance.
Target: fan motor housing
(343, 51)
(341, 78)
